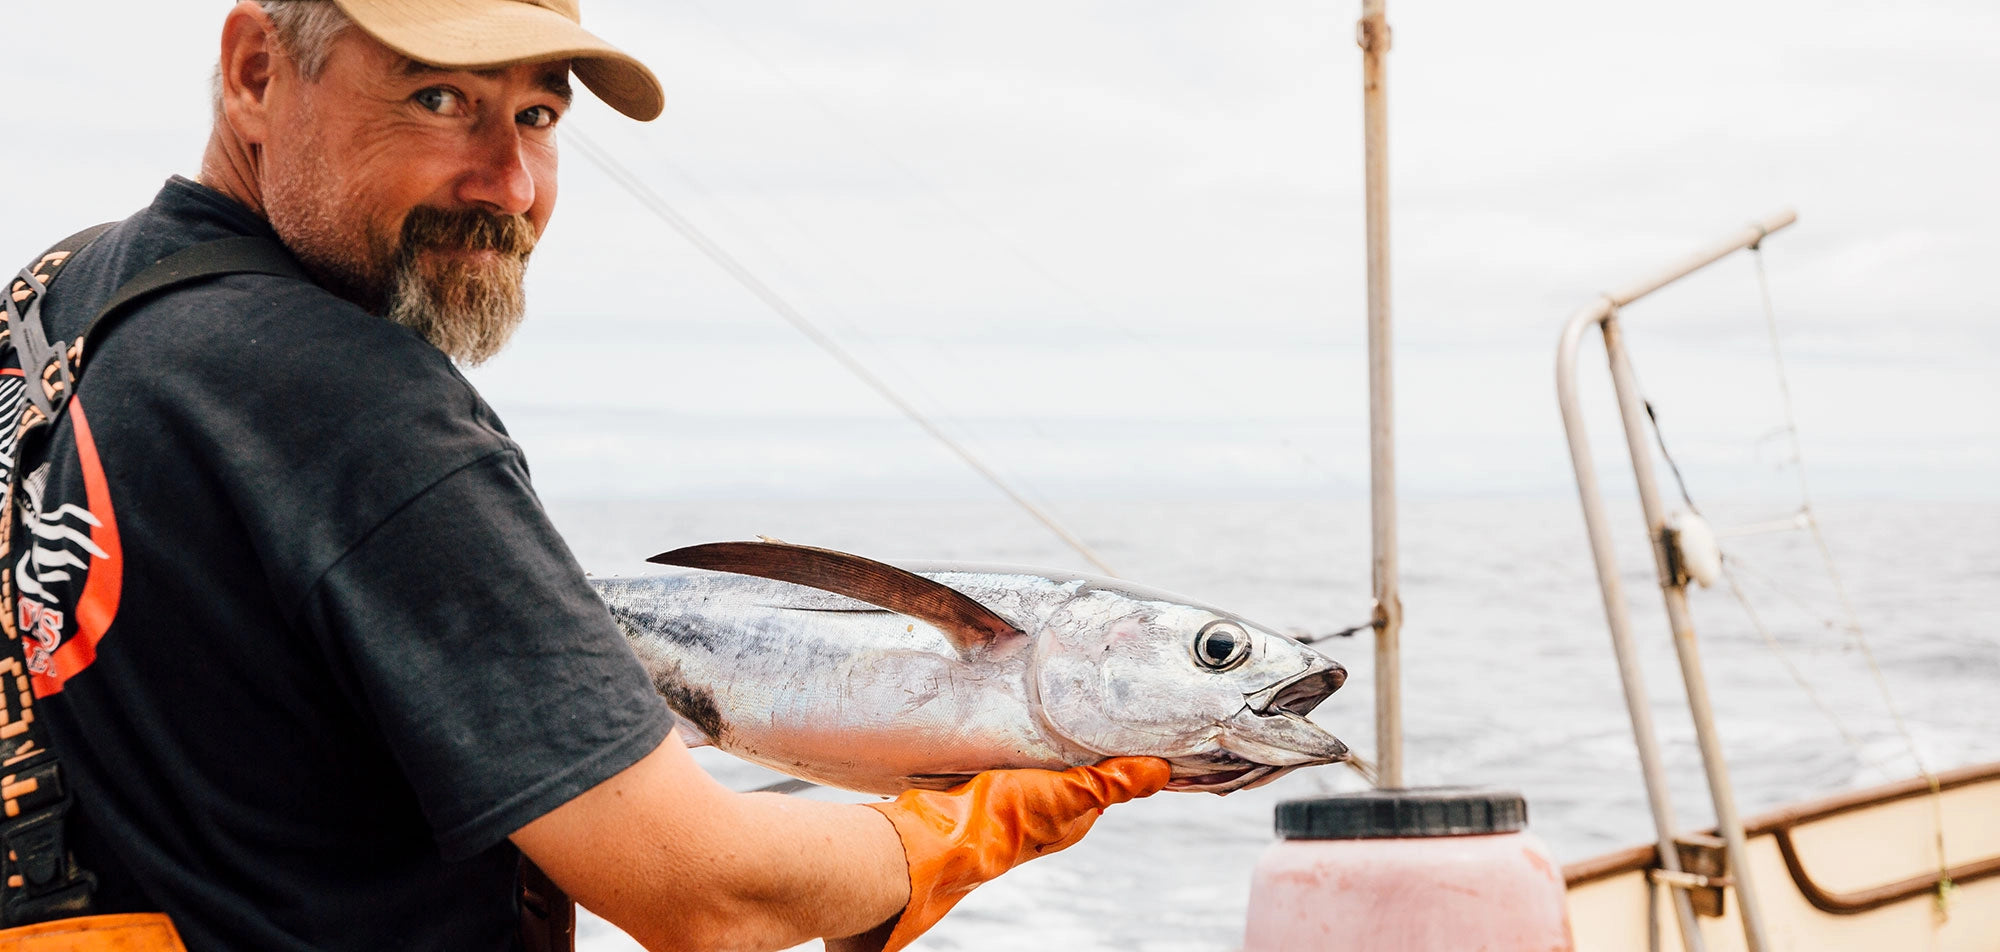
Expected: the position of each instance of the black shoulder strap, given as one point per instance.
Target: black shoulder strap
(79, 241)
(246, 254)
(39, 877)
(57, 364)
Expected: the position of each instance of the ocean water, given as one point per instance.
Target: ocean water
(1509, 679)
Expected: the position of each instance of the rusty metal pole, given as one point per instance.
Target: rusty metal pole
(1680, 621)
(1373, 35)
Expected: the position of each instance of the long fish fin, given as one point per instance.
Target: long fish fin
(970, 625)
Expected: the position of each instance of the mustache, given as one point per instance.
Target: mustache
(467, 230)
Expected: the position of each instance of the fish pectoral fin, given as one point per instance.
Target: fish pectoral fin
(969, 625)
(938, 781)
(788, 785)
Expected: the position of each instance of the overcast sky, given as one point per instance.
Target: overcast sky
(1115, 246)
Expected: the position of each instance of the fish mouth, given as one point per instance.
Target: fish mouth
(1298, 694)
(1271, 735)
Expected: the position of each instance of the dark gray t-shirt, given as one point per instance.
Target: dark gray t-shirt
(311, 649)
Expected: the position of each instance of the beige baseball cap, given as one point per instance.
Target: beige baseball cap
(481, 34)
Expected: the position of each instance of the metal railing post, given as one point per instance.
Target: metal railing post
(1631, 405)
(1597, 525)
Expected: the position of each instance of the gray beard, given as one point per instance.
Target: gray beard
(468, 313)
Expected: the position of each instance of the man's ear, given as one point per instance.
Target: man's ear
(249, 56)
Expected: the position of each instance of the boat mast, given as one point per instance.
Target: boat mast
(1373, 35)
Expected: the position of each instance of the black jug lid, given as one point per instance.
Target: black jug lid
(1408, 812)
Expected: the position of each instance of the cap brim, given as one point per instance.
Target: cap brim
(482, 34)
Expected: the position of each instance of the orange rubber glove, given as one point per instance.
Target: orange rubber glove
(962, 837)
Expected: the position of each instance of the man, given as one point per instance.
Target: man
(317, 667)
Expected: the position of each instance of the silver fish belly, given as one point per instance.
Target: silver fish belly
(843, 692)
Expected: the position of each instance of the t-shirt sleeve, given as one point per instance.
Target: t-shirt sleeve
(496, 676)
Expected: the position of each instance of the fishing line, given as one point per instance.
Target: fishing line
(1840, 584)
(1659, 437)
(828, 304)
(1809, 520)
(1854, 742)
(652, 201)
(1771, 582)
(1731, 562)
(1361, 764)
(1182, 371)
(1856, 746)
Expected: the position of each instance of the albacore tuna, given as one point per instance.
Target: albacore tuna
(877, 678)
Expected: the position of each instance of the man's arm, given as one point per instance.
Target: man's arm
(681, 862)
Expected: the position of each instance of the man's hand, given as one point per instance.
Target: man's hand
(1002, 818)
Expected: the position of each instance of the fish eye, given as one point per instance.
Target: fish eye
(1221, 645)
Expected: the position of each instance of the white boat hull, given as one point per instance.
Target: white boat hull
(1856, 871)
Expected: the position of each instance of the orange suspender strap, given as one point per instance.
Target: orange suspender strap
(39, 879)
(140, 932)
(45, 882)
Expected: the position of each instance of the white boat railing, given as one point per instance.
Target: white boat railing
(1603, 314)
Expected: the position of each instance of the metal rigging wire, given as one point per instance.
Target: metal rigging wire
(1850, 621)
(1811, 517)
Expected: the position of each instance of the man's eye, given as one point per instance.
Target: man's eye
(439, 100)
(537, 117)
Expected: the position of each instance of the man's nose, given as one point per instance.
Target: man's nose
(499, 179)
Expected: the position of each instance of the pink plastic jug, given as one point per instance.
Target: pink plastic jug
(1440, 869)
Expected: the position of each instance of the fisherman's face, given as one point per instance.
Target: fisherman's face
(413, 191)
